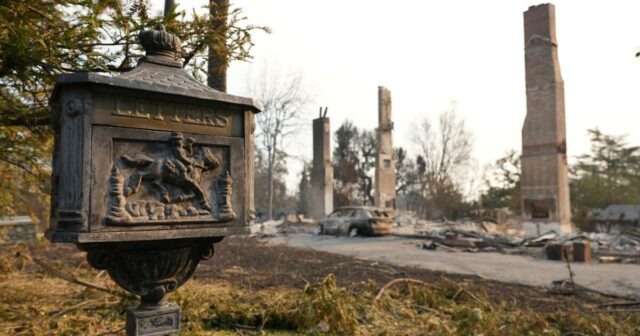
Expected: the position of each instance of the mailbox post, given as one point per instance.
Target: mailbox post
(150, 169)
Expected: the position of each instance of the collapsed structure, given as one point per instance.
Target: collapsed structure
(544, 180)
(385, 179)
(322, 171)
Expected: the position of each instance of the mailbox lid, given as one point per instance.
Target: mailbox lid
(152, 77)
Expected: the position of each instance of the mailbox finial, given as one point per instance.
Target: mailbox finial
(159, 42)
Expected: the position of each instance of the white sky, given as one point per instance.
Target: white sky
(429, 53)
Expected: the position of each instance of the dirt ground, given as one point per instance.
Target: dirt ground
(251, 285)
(254, 264)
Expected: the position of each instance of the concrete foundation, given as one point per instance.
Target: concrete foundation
(17, 229)
(544, 180)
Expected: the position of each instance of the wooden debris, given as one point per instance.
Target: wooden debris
(72, 308)
(396, 281)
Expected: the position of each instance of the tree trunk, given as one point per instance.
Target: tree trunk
(270, 158)
(217, 67)
(167, 6)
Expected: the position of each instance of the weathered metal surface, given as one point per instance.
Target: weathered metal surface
(132, 164)
(150, 269)
(150, 169)
(148, 77)
(156, 112)
(161, 321)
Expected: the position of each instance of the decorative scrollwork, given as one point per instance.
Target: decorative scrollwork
(73, 107)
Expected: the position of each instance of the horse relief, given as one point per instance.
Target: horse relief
(175, 180)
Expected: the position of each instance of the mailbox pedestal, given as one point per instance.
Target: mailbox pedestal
(151, 168)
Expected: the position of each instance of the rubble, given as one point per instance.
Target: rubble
(486, 236)
(291, 224)
(609, 259)
(582, 251)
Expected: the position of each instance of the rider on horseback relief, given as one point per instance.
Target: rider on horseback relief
(181, 154)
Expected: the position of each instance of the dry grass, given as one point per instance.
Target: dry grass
(34, 303)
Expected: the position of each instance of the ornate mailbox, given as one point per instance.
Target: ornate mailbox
(151, 168)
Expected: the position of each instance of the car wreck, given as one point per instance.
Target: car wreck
(357, 221)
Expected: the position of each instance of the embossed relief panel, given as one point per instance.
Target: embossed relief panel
(152, 179)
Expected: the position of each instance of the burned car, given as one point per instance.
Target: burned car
(357, 220)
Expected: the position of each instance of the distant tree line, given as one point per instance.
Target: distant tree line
(430, 184)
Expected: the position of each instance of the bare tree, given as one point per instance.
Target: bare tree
(283, 97)
(444, 153)
(447, 150)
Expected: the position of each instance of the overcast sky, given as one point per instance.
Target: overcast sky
(430, 53)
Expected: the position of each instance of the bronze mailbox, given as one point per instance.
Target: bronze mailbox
(149, 154)
(150, 166)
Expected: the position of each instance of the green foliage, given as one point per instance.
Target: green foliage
(445, 308)
(503, 184)
(610, 174)
(406, 173)
(24, 173)
(345, 159)
(40, 40)
(426, 190)
(353, 165)
(304, 196)
(366, 143)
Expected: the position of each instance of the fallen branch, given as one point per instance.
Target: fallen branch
(405, 280)
(618, 310)
(111, 332)
(590, 290)
(619, 304)
(72, 308)
(71, 278)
